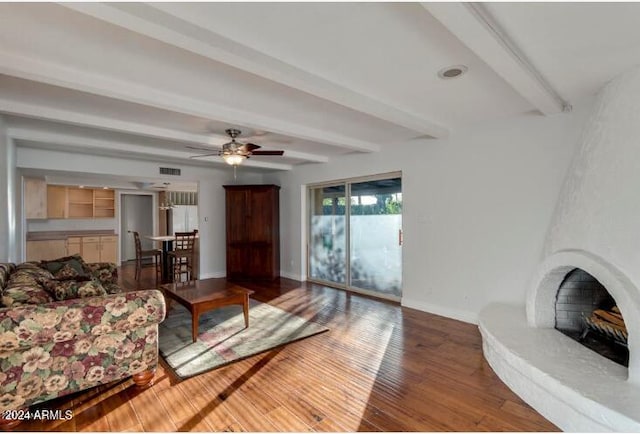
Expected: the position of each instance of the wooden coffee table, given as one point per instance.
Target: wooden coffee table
(201, 296)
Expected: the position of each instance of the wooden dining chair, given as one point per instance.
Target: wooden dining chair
(183, 255)
(156, 254)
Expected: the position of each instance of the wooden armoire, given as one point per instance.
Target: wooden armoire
(253, 232)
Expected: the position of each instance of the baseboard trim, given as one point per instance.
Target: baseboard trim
(460, 315)
(213, 275)
(219, 274)
(291, 275)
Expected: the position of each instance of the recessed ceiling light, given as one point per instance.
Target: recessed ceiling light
(452, 71)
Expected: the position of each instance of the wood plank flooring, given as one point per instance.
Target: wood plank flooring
(379, 368)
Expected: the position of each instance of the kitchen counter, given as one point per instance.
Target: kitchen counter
(63, 235)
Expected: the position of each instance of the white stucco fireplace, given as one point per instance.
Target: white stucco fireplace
(596, 228)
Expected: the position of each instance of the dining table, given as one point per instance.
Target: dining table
(167, 246)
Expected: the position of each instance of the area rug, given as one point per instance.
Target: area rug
(222, 337)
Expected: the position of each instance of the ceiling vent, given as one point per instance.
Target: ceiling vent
(452, 71)
(169, 171)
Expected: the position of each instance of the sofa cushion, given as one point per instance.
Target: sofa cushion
(74, 261)
(17, 296)
(105, 272)
(68, 272)
(30, 272)
(24, 289)
(5, 270)
(25, 286)
(67, 289)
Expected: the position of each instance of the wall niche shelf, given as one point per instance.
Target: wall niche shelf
(81, 203)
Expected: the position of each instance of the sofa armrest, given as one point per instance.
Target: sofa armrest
(31, 325)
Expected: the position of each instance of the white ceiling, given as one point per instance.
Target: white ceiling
(318, 80)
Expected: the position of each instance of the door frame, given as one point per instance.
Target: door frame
(154, 214)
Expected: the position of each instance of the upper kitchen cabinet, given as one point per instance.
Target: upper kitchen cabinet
(56, 201)
(80, 203)
(35, 198)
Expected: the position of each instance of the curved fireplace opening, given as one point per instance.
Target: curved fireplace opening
(586, 312)
(543, 291)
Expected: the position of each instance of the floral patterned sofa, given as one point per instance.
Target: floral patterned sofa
(64, 330)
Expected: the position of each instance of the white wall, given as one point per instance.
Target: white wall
(72, 225)
(211, 204)
(476, 208)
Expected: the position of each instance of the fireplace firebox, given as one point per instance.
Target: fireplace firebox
(587, 313)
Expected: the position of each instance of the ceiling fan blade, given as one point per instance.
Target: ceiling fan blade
(198, 148)
(267, 153)
(250, 147)
(217, 154)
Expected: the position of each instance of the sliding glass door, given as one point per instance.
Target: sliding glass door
(371, 221)
(375, 228)
(328, 238)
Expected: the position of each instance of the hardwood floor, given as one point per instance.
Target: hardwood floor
(379, 368)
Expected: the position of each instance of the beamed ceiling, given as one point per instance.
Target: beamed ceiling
(317, 80)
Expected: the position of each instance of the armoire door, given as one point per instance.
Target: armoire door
(253, 241)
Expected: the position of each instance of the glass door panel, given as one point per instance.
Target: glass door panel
(327, 243)
(375, 235)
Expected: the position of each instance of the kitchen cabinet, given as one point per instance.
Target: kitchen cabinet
(82, 203)
(253, 232)
(104, 202)
(74, 246)
(53, 245)
(56, 201)
(108, 249)
(79, 202)
(90, 249)
(35, 198)
(99, 249)
(44, 250)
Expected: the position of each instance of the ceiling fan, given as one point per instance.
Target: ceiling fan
(234, 153)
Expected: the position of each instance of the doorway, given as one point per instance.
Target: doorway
(136, 215)
(355, 235)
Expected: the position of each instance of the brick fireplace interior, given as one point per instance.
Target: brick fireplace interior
(587, 313)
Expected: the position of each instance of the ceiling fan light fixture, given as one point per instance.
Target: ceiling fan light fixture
(234, 159)
(234, 153)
